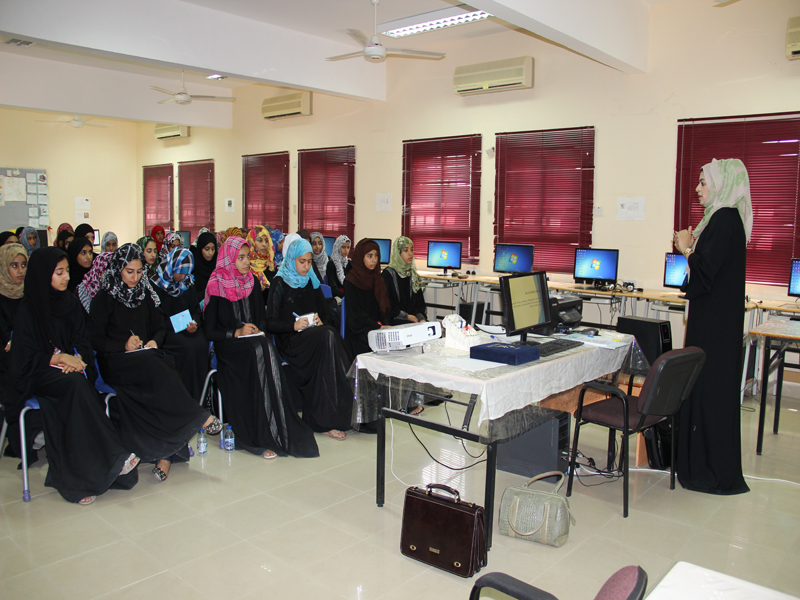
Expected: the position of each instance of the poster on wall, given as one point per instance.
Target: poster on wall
(13, 189)
(82, 216)
(82, 203)
(19, 193)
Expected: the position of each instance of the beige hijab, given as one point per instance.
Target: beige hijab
(8, 287)
(729, 187)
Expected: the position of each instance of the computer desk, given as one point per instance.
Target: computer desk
(513, 398)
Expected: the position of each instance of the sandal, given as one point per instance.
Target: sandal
(214, 427)
(159, 474)
(130, 464)
(336, 434)
(87, 501)
(269, 455)
(417, 410)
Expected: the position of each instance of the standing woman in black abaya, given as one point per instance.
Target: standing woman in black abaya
(710, 441)
(157, 416)
(52, 359)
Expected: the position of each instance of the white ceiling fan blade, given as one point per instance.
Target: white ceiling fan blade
(358, 36)
(162, 90)
(214, 98)
(64, 122)
(345, 56)
(406, 53)
(167, 100)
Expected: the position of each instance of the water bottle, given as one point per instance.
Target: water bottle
(229, 440)
(202, 442)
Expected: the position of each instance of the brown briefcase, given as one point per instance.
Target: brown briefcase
(443, 532)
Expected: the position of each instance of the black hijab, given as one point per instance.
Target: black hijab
(46, 305)
(61, 239)
(4, 237)
(203, 267)
(84, 228)
(76, 271)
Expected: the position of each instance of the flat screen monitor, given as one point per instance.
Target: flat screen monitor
(526, 303)
(97, 239)
(42, 233)
(513, 258)
(674, 269)
(444, 255)
(386, 249)
(328, 244)
(186, 238)
(596, 267)
(794, 278)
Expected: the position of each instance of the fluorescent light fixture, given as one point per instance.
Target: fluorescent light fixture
(216, 77)
(431, 21)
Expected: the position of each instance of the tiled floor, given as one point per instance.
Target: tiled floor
(237, 526)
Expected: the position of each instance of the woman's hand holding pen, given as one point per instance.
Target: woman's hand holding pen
(69, 363)
(246, 329)
(133, 343)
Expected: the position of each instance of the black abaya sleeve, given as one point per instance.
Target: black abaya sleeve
(274, 322)
(194, 304)
(156, 329)
(257, 305)
(359, 319)
(26, 356)
(99, 315)
(712, 250)
(212, 321)
(333, 280)
(396, 313)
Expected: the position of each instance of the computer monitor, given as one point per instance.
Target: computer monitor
(328, 244)
(513, 258)
(444, 255)
(42, 233)
(386, 249)
(675, 270)
(595, 266)
(526, 303)
(186, 238)
(97, 239)
(794, 278)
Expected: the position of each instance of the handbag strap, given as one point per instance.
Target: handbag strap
(545, 476)
(444, 488)
(512, 516)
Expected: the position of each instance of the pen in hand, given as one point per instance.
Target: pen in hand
(78, 356)
(134, 335)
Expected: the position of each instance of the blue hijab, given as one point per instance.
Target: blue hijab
(179, 261)
(288, 270)
(23, 239)
(277, 236)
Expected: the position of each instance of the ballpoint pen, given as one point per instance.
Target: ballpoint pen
(78, 356)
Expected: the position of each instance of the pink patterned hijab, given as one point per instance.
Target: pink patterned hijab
(225, 281)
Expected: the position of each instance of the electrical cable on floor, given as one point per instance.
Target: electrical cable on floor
(391, 462)
(645, 469)
(477, 462)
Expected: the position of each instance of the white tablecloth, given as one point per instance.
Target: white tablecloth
(686, 581)
(504, 388)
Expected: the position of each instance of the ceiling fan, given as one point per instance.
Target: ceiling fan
(77, 121)
(374, 51)
(184, 97)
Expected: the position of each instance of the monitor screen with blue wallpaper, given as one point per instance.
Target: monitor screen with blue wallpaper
(794, 281)
(328, 244)
(513, 258)
(444, 255)
(386, 249)
(595, 266)
(674, 270)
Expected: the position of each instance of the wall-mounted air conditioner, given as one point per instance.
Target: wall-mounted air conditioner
(165, 130)
(296, 104)
(494, 76)
(793, 39)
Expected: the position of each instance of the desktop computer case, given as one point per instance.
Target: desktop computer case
(654, 336)
(542, 449)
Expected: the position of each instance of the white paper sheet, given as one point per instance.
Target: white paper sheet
(30, 177)
(42, 189)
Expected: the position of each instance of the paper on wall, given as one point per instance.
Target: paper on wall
(44, 221)
(31, 199)
(42, 189)
(44, 211)
(32, 188)
(13, 189)
(44, 199)
(30, 177)
(42, 178)
(630, 209)
(33, 211)
(33, 223)
(229, 204)
(81, 202)
(82, 216)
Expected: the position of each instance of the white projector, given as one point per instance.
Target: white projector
(405, 336)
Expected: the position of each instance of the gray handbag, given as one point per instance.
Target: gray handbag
(536, 516)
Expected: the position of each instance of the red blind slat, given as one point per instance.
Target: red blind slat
(769, 148)
(327, 190)
(196, 196)
(441, 193)
(544, 193)
(157, 195)
(265, 183)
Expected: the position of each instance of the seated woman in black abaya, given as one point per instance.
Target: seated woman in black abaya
(255, 393)
(310, 346)
(205, 261)
(80, 255)
(53, 360)
(157, 416)
(174, 285)
(404, 285)
(366, 300)
(339, 265)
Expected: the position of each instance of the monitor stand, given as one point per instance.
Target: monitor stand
(443, 273)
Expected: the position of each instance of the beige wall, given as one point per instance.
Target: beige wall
(704, 61)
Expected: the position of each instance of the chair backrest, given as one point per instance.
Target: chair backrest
(670, 380)
(629, 583)
(342, 316)
(326, 290)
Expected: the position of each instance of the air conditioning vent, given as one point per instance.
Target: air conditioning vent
(495, 76)
(297, 104)
(793, 39)
(165, 131)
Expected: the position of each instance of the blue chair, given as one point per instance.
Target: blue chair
(32, 404)
(102, 387)
(342, 315)
(326, 290)
(211, 373)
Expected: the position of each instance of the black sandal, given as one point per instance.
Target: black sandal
(159, 474)
(215, 427)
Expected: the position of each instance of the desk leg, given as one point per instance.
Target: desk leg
(646, 308)
(458, 298)
(491, 472)
(765, 380)
(380, 487)
(476, 291)
(782, 359)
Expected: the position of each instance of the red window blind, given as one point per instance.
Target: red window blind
(327, 190)
(157, 194)
(544, 192)
(442, 193)
(265, 190)
(768, 145)
(196, 196)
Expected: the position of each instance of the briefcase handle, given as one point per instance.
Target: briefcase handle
(444, 488)
(545, 476)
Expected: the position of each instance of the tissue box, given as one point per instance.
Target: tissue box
(509, 354)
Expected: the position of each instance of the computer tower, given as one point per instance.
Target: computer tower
(653, 335)
(542, 449)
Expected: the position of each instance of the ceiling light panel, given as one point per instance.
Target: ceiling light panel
(432, 21)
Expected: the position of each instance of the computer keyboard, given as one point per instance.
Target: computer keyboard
(554, 346)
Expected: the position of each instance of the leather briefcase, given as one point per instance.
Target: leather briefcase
(443, 532)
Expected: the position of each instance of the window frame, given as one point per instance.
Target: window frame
(259, 190)
(326, 181)
(158, 179)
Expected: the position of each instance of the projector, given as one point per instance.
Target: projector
(405, 336)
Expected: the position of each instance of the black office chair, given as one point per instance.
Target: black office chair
(629, 583)
(669, 382)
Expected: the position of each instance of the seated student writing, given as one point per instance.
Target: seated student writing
(310, 346)
(404, 285)
(339, 265)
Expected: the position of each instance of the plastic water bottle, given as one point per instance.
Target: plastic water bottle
(202, 442)
(229, 440)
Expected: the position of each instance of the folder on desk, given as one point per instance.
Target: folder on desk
(510, 354)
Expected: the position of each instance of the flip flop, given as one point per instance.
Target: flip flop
(130, 464)
(87, 501)
(269, 455)
(159, 474)
(337, 435)
(214, 427)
